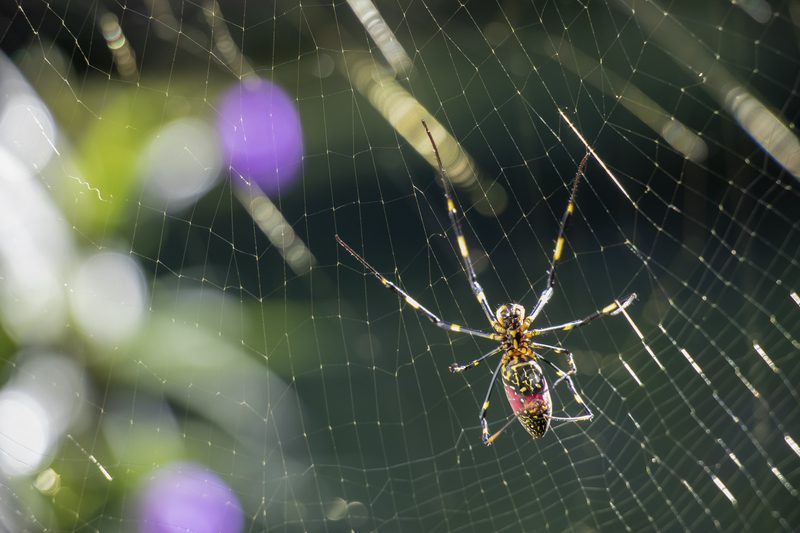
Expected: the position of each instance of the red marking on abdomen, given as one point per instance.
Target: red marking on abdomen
(537, 402)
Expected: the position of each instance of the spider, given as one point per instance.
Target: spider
(520, 365)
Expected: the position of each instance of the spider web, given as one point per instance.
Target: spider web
(258, 349)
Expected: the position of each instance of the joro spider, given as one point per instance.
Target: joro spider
(523, 379)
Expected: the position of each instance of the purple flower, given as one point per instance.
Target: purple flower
(261, 136)
(185, 497)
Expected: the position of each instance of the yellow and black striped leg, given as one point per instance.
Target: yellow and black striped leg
(488, 441)
(485, 407)
(455, 367)
(412, 302)
(611, 309)
(570, 360)
(559, 246)
(452, 212)
(587, 413)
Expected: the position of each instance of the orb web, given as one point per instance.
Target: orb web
(180, 328)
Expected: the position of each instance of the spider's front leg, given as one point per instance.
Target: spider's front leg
(547, 293)
(463, 249)
(614, 308)
(438, 322)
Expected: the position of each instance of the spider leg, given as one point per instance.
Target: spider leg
(412, 302)
(559, 246)
(452, 212)
(611, 309)
(455, 367)
(588, 414)
(490, 440)
(485, 408)
(571, 361)
(513, 418)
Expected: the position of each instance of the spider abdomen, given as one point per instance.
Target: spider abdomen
(527, 393)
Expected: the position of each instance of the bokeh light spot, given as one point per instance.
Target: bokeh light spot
(25, 434)
(108, 297)
(181, 162)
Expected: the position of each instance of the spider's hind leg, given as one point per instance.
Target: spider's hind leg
(485, 409)
(573, 369)
(566, 376)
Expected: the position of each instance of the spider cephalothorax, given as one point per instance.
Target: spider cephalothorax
(510, 323)
(509, 317)
(520, 366)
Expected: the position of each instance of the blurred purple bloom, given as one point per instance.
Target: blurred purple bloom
(261, 135)
(184, 497)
